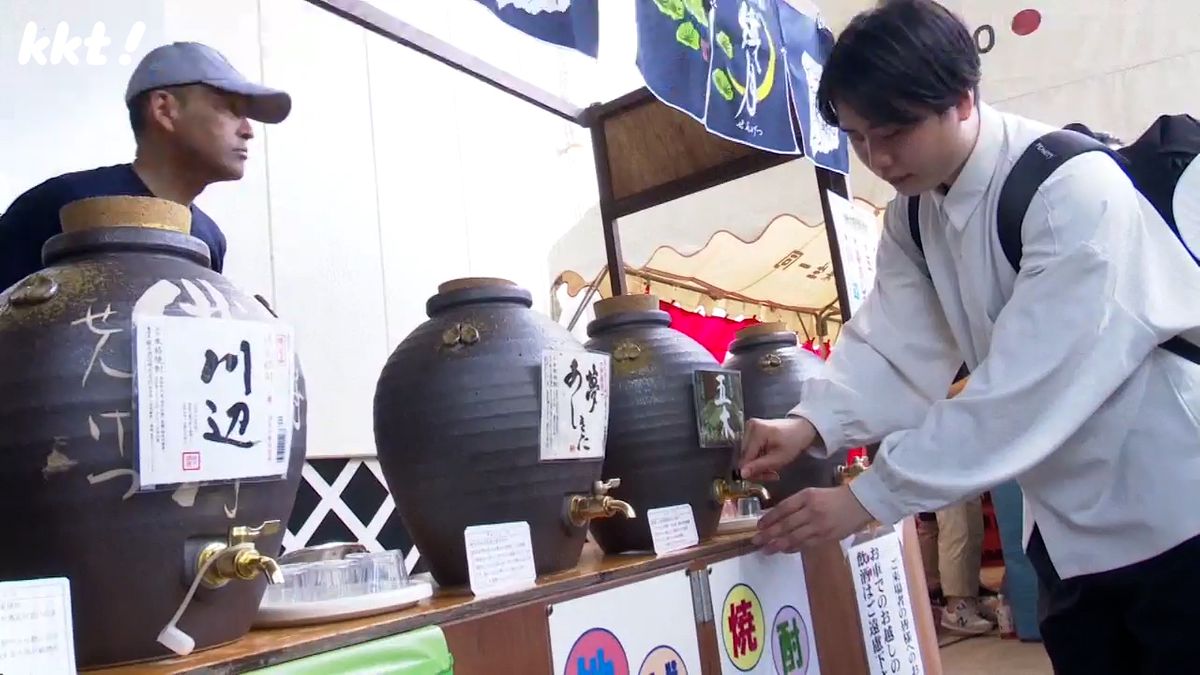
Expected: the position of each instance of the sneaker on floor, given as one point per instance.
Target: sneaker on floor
(987, 608)
(964, 617)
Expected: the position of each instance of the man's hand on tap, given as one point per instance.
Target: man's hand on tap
(770, 445)
(811, 516)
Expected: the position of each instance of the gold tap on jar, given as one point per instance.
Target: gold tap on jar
(725, 490)
(238, 558)
(583, 509)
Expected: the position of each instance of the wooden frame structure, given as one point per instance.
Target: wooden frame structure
(646, 152)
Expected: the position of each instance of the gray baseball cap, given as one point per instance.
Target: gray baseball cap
(181, 63)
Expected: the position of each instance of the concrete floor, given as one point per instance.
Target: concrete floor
(989, 655)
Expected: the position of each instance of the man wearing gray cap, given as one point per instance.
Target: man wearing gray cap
(190, 110)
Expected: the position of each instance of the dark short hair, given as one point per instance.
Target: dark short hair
(139, 105)
(137, 113)
(900, 62)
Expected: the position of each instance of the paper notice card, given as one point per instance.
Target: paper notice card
(35, 627)
(881, 586)
(673, 528)
(499, 558)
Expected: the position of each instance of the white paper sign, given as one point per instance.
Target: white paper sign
(35, 627)
(575, 392)
(499, 558)
(858, 240)
(214, 399)
(849, 541)
(762, 614)
(672, 528)
(643, 628)
(881, 589)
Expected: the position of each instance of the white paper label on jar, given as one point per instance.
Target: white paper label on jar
(499, 558)
(575, 396)
(215, 399)
(672, 528)
(36, 634)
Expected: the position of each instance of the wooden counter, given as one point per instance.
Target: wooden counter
(513, 629)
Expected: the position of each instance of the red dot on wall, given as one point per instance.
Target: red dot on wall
(1026, 21)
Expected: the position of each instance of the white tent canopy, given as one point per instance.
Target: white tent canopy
(1113, 64)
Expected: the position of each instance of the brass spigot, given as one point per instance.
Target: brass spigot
(238, 558)
(725, 490)
(847, 473)
(582, 509)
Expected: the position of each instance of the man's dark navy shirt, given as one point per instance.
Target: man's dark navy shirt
(33, 217)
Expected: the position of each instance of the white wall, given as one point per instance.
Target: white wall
(392, 174)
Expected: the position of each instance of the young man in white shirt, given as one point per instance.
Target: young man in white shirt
(1070, 393)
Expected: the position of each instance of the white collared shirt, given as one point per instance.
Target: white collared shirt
(1069, 393)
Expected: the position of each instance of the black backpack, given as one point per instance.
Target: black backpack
(1155, 162)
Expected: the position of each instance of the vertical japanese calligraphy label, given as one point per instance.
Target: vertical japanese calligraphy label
(720, 410)
(765, 621)
(214, 399)
(575, 392)
(643, 628)
(858, 240)
(35, 627)
(881, 588)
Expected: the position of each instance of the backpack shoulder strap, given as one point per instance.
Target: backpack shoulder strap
(914, 221)
(1032, 168)
(1183, 349)
(1041, 159)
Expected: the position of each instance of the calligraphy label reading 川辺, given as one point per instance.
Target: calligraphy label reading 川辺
(214, 399)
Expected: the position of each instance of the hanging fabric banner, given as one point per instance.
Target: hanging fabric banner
(748, 84)
(567, 23)
(673, 50)
(808, 43)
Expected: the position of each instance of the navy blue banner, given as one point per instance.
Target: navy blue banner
(808, 43)
(567, 23)
(673, 52)
(747, 88)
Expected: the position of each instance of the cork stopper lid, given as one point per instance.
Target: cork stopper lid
(619, 304)
(473, 282)
(757, 329)
(96, 213)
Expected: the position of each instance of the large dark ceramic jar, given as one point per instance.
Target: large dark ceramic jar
(773, 368)
(653, 440)
(67, 428)
(457, 427)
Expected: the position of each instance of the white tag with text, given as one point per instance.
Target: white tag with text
(499, 558)
(36, 633)
(673, 528)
